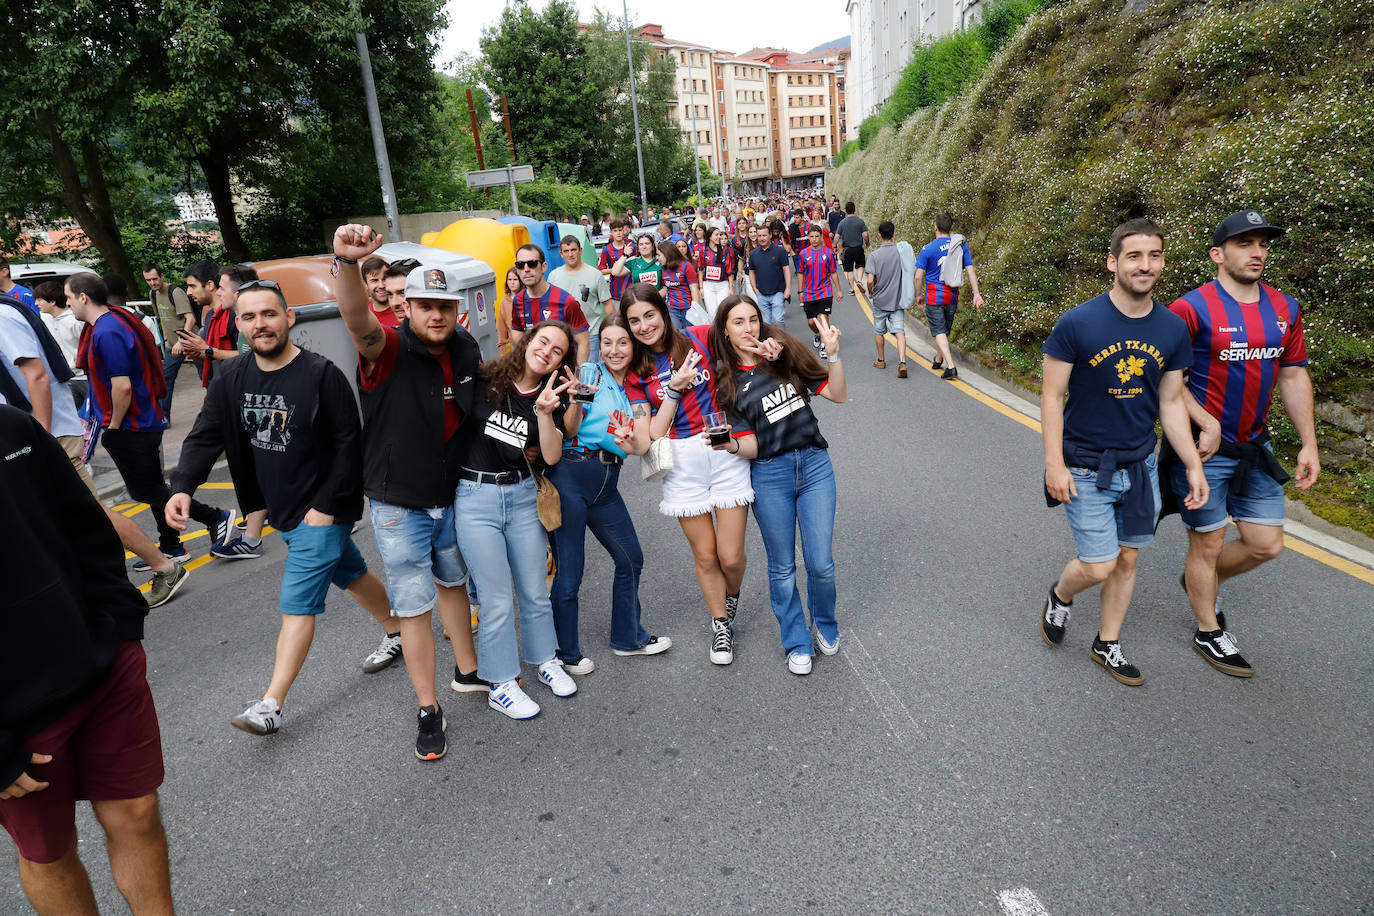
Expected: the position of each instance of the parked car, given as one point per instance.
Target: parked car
(28, 273)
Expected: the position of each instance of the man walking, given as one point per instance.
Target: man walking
(418, 383)
(123, 368)
(853, 233)
(1120, 358)
(172, 309)
(1247, 339)
(941, 297)
(619, 246)
(770, 275)
(9, 288)
(587, 285)
(76, 716)
(541, 301)
(820, 283)
(287, 423)
(884, 272)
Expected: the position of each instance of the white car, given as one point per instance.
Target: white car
(29, 273)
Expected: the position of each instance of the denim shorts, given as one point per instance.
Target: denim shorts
(885, 322)
(1095, 515)
(315, 558)
(417, 551)
(940, 318)
(1261, 505)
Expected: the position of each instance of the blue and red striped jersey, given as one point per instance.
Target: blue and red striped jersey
(817, 266)
(717, 265)
(931, 259)
(696, 247)
(608, 258)
(697, 401)
(554, 305)
(677, 285)
(1238, 348)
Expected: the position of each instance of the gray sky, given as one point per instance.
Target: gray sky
(729, 25)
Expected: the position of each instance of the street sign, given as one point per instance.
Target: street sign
(494, 178)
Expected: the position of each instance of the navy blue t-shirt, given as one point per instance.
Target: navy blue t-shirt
(1117, 364)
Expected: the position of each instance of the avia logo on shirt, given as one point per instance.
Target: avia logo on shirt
(782, 403)
(512, 431)
(1239, 352)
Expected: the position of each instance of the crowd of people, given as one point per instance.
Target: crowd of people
(481, 476)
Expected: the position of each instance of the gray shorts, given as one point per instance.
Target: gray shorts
(941, 318)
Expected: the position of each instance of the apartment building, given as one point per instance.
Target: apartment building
(694, 109)
(743, 118)
(884, 34)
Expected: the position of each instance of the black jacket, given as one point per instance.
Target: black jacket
(219, 428)
(67, 603)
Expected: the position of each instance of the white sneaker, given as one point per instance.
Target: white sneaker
(262, 718)
(507, 697)
(551, 673)
(583, 665)
(384, 656)
(722, 642)
(655, 645)
(827, 648)
(799, 663)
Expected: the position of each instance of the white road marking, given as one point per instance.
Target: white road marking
(1327, 542)
(1021, 901)
(898, 717)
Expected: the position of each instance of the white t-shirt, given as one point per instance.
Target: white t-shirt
(66, 330)
(17, 341)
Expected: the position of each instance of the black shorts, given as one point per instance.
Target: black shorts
(816, 307)
(854, 258)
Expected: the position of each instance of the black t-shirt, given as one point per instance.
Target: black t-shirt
(278, 412)
(506, 430)
(776, 412)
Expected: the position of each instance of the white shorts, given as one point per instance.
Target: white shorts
(703, 479)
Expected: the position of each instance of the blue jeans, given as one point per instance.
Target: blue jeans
(590, 498)
(171, 365)
(501, 538)
(417, 550)
(1095, 516)
(797, 489)
(772, 307)
(679, 317)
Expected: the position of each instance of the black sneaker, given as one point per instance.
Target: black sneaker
(1108, 655)
(1216, 607)
(430, 743)
(468, 683)
(950, 374)
(1219, 648)
(937, 363)
(731, 607)
(1054, 618)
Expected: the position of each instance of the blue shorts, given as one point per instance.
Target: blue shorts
(893, 322)
(1095, 515)
(417, 551)
(315, 558)
(1261, 505)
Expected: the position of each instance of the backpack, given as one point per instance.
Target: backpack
(952, 264)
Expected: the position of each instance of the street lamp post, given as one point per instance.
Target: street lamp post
(634, 106)
(696, 160)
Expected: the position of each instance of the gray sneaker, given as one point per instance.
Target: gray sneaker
(164, 585)
(262, 718)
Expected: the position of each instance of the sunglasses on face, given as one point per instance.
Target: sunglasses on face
(528, 265)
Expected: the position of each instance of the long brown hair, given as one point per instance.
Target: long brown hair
(502, 374)
(797, 364)
(675, 342)
(670, 254)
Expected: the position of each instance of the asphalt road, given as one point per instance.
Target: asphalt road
(944, 757)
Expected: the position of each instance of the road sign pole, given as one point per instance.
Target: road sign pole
(514, 201)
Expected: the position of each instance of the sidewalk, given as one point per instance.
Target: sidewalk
(186, 401)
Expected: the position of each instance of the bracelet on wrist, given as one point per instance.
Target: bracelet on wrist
(832, 358)
(672, 394)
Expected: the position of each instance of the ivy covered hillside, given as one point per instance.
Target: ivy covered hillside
(1041, 138)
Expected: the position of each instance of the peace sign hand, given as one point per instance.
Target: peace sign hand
(552, 395)
(686, 373)
(829, 334)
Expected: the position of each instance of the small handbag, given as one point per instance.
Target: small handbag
(546, 496)
(658, 460)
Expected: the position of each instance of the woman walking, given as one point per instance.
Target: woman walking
(588, 480)
(708, 492)
(791, 474)
(680, 287)
(740, 246)
(520, 421)
(645, 267)
(505, 307)
(716, 267)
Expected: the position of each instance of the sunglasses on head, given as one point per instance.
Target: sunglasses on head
(523, 265)
(259, 284)
(406, 264)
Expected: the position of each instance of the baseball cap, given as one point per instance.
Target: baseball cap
(426, 282)
(1241, 222)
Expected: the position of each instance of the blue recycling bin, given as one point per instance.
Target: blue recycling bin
(544, 233)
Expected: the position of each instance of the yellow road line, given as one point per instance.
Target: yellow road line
(217, 486)
(1297, 545)
(198, 562)
(137, 508)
